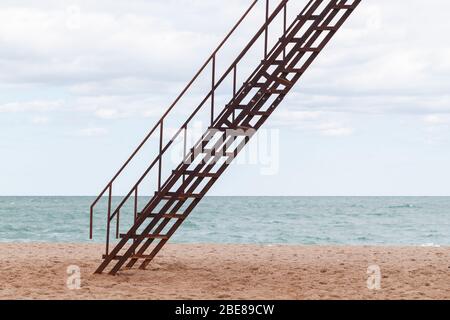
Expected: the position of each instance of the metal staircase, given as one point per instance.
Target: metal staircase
(177, 192)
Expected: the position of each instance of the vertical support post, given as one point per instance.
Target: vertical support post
(184, 149)
(234, 89)
(91, 222)
(108, 222)
(135, 203)
(213, 84)
(118, 224)
(135, 211)
(284, 27)
(266, 34)
(160, 153)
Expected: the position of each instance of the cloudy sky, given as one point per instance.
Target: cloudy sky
(82, 82)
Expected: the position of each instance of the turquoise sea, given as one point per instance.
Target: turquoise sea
(268, 220)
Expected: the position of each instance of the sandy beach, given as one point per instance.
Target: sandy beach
(39, 271)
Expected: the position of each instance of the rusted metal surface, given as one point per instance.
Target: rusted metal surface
(179, 194)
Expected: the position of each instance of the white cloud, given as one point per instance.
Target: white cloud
(384, 61)
(108, 44)
(116, 61)
(334, 129)
(109, 107)
(437, 119)
(92, 132)
(327, 124)
(40, 120)
(31, 106)
(437, 129)
(289, 116)
(130, 59)
(109, 114)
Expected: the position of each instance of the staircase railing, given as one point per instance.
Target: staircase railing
(159, 130)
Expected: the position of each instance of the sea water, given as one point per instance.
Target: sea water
(261, 220)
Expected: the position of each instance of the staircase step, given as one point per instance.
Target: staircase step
(147, 236)
(259, 84)
(309, 50)
(296, 40)
(284, 81)
(167, 215)
(266, 75)
(215, 153)
(237, 107)
(344, 6)
(134, 256)
(232, 129)
(181, 196)
(326, 28)
(255, 84)
(312, 17)
(276, 91)
(201, 174)
(294, 70)
(260, 113)
(115, 257)
(140, 256)
(275, 62)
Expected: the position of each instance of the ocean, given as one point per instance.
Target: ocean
(259, 220)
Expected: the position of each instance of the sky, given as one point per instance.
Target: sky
(82, 82)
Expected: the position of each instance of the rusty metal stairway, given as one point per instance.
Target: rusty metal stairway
(228, 131)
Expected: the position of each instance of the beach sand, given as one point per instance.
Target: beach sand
(39, 271)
